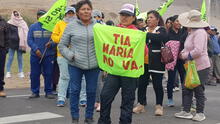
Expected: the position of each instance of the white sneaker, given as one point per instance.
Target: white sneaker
(199, 117)
(21, 75)
(176, 89)
(8, 75)
(184, 115)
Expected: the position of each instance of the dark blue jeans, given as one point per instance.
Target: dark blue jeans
(172, 77)
(91, 77)
(45, 68)
(2, 67)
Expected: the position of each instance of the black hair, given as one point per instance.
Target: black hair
(73, 5)
(41, 12)
(174, 18)
(103, 15)
(158, 16)
(141, 20)
(168, 19)
(81, 3)
(135, 20)
(110, 22)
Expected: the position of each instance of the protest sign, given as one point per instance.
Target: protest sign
(120, 51)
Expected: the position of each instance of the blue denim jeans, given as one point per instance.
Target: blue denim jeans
(91, 77)
(64, 81)
(64, 78)
(11, 57)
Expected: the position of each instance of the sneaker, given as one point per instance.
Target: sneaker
(170, 103)
(8, 75)
(89, 121)
(50, 96)
(75, 121)
(176, 89)
(21, 75)
(83, 103)
(33, 95)
(2, 94)
(158, 110)
(184, 115)
(138, 109)
(60, 103)
(54, 93)
(211, 83)
(199, 117)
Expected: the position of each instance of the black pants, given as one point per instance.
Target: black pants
(56, 75)
(199, 93)
(157, 85)
(142, 86)
(111, 87)
(2, 67)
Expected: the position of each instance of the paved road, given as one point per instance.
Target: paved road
(18, 104)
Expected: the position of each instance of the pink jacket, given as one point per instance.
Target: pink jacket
(196, 45)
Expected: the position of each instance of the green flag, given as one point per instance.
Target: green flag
(203, 11)
(55, 14)
(137, 9)
(120, 51)
(163, 8)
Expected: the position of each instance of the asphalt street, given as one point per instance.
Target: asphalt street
(18, 109)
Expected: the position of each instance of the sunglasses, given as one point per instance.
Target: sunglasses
(16, 14)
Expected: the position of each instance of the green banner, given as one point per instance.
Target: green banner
(120, 51)
(203, 11)
(55, 14)
(163, 8)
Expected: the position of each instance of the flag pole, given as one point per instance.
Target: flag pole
(209, 11)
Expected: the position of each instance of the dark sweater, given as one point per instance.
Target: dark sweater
(154, 42)
(3, 33)
(14, 38)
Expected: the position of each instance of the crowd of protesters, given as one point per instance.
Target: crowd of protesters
(79, 78)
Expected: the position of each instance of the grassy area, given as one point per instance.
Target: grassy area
(26, 63)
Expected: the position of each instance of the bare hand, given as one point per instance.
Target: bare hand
(157, 32)
(105, 74)
(48, 45)
(181, 56)
(38, 53)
